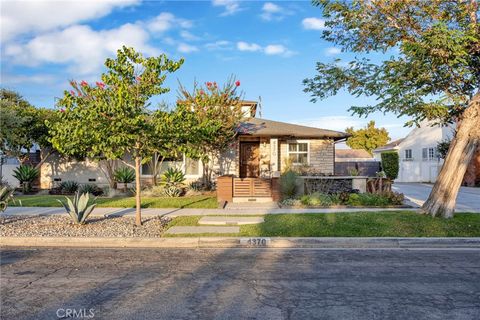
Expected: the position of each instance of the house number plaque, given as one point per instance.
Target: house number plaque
(255, 242)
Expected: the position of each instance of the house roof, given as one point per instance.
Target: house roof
(352, 153)
(389, 146)
(263, 127)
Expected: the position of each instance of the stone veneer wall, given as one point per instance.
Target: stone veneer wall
(321, 154)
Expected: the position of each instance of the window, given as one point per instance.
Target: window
(298, 152)
(424, 154)
(408, 154)
(192, 167)
(431, 153)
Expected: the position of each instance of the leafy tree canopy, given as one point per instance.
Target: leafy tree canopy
(368, 138)
(434, 68)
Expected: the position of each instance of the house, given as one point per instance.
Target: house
(419, 159)
(261, 150)
(355, 161)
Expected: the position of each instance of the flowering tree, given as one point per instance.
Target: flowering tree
(111, 119)
(214, 114)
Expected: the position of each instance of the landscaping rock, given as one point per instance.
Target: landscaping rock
(62, 226)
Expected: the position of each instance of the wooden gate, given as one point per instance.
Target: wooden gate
(252, 187)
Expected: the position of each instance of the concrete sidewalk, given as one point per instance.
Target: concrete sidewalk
(172, 213)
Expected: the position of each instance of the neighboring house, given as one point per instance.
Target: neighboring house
(9, 164)
(359, 161)
(419, 159)
(261, 150)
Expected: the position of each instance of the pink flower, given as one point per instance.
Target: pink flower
(138, 78)
(100, 84)
(209, 84)
(83, 83)
(237, 83)
(72, 92)
(201, 92)
(62, 110)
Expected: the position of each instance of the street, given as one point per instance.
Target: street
(239, 284)
(468, 199)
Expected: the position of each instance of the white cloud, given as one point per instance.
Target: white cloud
(332, 51)
(166, 21)
(82, 49)
(244, 46)
(34, 78)
(186, 48)
(271, 11)
(313, 24)
(271, 49)
(219, 45)
(19, 17)
(188, 36)
(231, 6)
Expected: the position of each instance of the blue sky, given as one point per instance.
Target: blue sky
(269, 46)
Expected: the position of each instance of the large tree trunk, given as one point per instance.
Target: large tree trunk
(442, 199)
(138, 201)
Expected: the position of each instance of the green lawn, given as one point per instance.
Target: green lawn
(126, 202)
(358, 224)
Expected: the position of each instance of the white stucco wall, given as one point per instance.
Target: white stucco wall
(418, 169)
(7, 174)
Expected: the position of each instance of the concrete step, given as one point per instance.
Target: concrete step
(214, 220)
(202, 229)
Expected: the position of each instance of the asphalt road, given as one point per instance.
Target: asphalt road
(240, 284)
(468, 199)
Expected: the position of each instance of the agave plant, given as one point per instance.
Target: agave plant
(26, 175)
(172, 180)
(80, 208)
(69, 187)
(124, 175)
(6, 195)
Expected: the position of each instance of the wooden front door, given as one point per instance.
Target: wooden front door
(249, 159)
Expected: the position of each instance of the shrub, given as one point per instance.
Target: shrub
(394, 198)
(390, 164)
(6, 195)
(172, 181)
(376, 199)
(319, 199)
(26, 175)
(124, 175)
(290, 202)
(80, 208)
(92, 189)
(288, 184)
(68, 187)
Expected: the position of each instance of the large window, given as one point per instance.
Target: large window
(429, 154)
(298, 152)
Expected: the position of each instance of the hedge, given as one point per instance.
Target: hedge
(390, 164)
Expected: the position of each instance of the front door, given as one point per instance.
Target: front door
(249, 159)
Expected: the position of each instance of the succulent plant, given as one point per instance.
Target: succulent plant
(80, 208)
(124, 175)
(69, 187)
(26, 175)
(6, 195)
(92, 189)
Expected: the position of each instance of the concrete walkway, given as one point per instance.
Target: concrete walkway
(172, 213)
(468, 199)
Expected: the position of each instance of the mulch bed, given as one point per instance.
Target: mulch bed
(62, 226)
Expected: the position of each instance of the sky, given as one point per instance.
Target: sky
(269, 46)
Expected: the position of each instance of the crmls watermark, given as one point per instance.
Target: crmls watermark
(64, 313)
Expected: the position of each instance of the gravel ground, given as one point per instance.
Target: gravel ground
(62, 226)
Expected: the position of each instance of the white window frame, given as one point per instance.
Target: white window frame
(431, 156)
(298, 141)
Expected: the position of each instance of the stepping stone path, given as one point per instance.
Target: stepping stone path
(201, 229)
(213, 220)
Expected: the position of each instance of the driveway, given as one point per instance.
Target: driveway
(240, 284)
(468, 199)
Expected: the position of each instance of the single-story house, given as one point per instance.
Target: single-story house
(419, 159)
(261, 150)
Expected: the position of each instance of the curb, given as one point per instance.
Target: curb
(237, 242)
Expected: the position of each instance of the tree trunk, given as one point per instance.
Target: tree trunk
(442, 199)
(138, 201)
